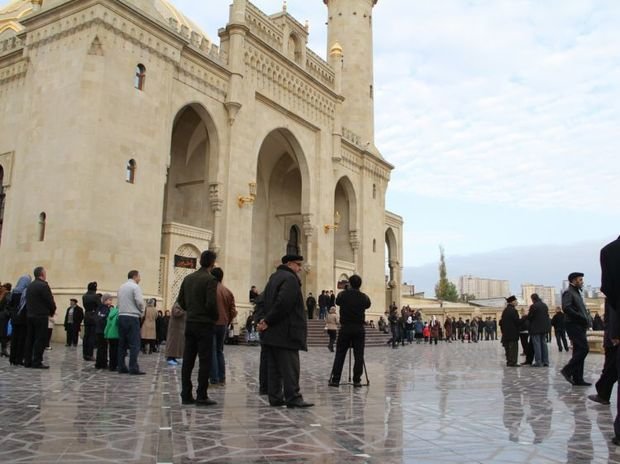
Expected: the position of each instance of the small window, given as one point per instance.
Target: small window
(42, 221)
(131, 171)
(374, 245)
(140, 77)
(374, 191)
(372, 91)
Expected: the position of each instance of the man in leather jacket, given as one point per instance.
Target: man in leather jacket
(578, 320)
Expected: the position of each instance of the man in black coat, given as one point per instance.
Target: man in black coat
(310, 305)
(284, 332)
(74, 315)
(198, 298)
(559, 328)
(91, 302)
(539, 326)
(353, 305)
(40, 306)
(610, 286)
(578, 320)
(509, 323)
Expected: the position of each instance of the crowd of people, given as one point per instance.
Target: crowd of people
(198, 323)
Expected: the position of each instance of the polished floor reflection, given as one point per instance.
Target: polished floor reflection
(425, 404)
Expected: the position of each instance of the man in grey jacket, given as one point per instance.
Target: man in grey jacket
(578, 320)
(130, 310)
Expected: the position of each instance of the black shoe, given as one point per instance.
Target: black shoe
(41, 366)
(357, 384)
(299, 404)
(136, 373)
(598, 399)
(526, 364)
(568, 378)
(263, 392)
(188, 401)
(616, 441)
(205, 402)
(123, 371)
(277, 403)
(333, 384)
(89, 358)
(582, 383)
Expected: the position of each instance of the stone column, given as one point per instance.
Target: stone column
(308, 230)
(354, 240)
(216, 202)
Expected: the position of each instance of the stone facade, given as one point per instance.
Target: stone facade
(127, 137)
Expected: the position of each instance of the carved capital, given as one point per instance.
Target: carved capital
(307, 226)
(215, 199)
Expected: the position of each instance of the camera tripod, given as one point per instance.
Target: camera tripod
(350, 380)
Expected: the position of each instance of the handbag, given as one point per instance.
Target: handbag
(9, 328)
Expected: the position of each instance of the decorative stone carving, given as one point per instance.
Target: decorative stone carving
(215, 200)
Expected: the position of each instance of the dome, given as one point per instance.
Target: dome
(167, 11)
(12, 13)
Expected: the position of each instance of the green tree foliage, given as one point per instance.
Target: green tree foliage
(445, 290)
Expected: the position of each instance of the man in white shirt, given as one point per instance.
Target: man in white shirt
(130, 310)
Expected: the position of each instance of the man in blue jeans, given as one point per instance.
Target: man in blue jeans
(227, 313)
(130, 310)
(539, 326)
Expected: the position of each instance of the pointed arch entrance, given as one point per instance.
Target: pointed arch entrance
(282, 192)
(346, 239)
(392, 267)
(188, 219)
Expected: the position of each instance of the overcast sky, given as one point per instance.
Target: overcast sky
(502, 117)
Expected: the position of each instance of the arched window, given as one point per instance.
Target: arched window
(131, 171)
(374, 191)
(140, 77)
(292, 247)
(294, 48)
(2, 196)
(42, 221)
(374, 245)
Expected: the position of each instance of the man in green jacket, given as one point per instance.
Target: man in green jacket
(198, 298)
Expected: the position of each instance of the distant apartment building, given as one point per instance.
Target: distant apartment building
(483, 288)
(547, 294)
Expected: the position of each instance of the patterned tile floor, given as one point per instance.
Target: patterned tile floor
(425, 404)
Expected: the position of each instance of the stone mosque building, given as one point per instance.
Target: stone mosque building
(130, 140)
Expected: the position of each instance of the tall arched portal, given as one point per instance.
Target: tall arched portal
(187, 216)
(346, 239)
(277, 216)
(392, 267)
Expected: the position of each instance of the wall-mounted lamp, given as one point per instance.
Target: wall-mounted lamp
(241, 200)
(335, 225)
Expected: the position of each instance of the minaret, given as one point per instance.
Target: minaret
(350, 26)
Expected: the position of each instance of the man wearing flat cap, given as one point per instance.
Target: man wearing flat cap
(509, 323)
(283, 333)
(578, 320)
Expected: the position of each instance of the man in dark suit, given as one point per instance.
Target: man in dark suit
(40, 306)
(73, 319)
(198, 298)
(610, 286)
(284, 332)
(509, 323)
(353, 305)
(578, 320)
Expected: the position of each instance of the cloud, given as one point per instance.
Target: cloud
(510, 102)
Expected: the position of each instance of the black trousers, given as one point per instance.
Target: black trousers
(89, 341)
(263, 371)
(512, 352)
(349, 337)
(198, 342)
(101, 361)
(577, 335)
(609, 376)
(524, 337)
(18, 343)
(332, 338)
(283, 376)
(36, 341)
(73, 332)
(560, 337)
(113, 356)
